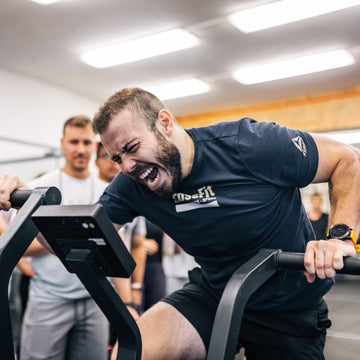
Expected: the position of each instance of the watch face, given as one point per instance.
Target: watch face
(340, 230)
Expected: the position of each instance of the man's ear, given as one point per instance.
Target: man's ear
(166, 122)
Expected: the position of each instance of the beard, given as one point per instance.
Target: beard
(170, 159)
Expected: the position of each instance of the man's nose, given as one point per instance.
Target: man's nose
(81, 147)
(128, 165)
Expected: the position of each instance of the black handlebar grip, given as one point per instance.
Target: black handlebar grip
(18, 197)
(51, 196)
(290, 260)
(351, 266)
(295, 261)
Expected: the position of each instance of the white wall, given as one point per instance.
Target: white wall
(31, 110)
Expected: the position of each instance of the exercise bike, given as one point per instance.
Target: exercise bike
(86, 242)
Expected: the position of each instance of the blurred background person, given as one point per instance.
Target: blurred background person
(176, 263)
(108, 169)
(154, 287)
(319, 219)
(61, 318)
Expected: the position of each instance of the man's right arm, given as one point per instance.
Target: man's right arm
(38, 248)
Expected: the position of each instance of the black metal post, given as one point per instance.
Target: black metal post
(13, 242)
(82, 262)
(243, 283)
(246, 280)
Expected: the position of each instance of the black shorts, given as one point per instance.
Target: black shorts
(293, 335)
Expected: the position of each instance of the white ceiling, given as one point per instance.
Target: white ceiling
(45, 42)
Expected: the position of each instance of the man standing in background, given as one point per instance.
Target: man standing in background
(319, 219)
(61, 318)
(107, 168)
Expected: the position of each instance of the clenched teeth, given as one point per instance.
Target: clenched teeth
(146, 173)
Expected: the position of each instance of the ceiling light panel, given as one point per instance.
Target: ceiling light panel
(284, 12)
(142, 48)
(294, 67)
(179, 89)
(44, 2)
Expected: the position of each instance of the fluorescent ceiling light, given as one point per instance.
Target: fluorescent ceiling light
(44, 2)
(294, 67)
(142, 48)
(179, 89)
(285, 11)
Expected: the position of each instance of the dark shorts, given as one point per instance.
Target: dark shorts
(293, 335)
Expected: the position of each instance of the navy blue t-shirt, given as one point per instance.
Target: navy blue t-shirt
(241, 195)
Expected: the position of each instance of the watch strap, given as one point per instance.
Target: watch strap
(136, 286)
(352, 236)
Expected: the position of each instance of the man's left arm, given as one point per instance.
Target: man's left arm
(339, 165)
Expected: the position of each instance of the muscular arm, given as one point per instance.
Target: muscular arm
(339, 165)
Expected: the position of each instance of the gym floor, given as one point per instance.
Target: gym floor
(343, 339)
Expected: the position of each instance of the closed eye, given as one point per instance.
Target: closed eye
(133, 148)
(127, 149)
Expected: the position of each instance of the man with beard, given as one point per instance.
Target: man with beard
(61, 317)
(223, 192)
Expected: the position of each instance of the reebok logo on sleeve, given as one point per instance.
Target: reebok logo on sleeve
(300, 144)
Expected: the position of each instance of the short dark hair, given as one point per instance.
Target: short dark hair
(135, 100)
(78, 121)
(98, 149)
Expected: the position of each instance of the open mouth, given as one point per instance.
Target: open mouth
(150, 176)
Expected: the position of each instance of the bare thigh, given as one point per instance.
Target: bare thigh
(166, 334)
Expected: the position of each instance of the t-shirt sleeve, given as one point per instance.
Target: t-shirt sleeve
(140, 226)
(116, 202)
(277, 154)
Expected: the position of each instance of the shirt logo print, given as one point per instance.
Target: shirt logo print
(300, 144)
(204, 197)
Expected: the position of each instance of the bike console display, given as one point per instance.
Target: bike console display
(72, 229)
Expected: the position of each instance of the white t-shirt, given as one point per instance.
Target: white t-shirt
(52, 282)
(136, 227)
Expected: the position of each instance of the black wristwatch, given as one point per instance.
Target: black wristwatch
(343, 232)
